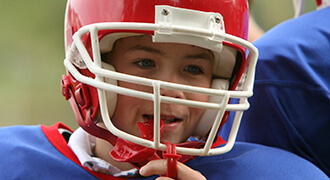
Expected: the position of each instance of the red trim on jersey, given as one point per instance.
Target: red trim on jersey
(57, 140)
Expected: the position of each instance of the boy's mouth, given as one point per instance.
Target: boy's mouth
(166, 119)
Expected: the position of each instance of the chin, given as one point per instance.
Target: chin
(173, 139)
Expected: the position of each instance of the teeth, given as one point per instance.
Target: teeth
(165, 119)
(168, 120)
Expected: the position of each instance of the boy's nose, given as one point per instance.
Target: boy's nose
(170, 77)
(172, 93)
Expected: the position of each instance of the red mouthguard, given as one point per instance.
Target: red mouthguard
(126, 151)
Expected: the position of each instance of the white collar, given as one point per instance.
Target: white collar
(82, 144)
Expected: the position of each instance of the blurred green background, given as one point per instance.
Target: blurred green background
(32, 53)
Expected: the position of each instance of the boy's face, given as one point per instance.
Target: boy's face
(177, 63)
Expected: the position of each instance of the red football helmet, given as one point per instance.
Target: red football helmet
(93, 26)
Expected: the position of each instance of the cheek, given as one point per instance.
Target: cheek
(121, 117)
(196, 115)
(197, 97)
(135, 86)
(126, 114)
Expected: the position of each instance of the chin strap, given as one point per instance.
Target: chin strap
(172, 159)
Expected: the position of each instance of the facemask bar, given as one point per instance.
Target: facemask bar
(96, 68)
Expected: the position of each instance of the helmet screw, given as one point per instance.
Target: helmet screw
(81, 62)
(165, 12)
(217, 20)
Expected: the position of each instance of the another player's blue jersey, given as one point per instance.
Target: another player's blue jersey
(290, 107)
(40, 152)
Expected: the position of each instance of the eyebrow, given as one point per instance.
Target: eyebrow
(146, 48)
(206, 56)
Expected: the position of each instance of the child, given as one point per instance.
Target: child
(149, 83)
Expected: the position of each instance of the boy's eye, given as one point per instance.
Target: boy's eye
(145, 63)
(193, 69)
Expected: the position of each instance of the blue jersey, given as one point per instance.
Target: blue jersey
(40, 152)
(290, 107)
